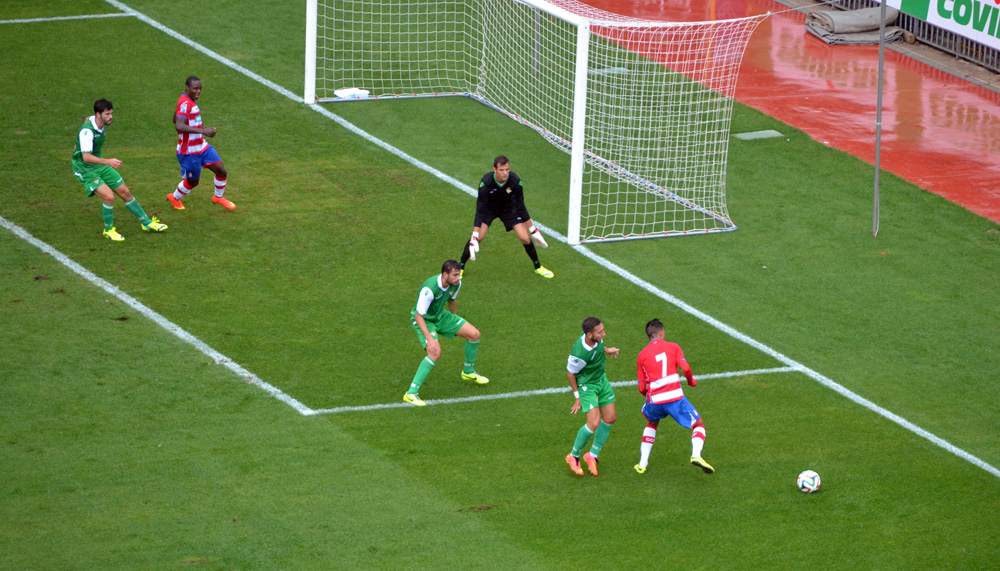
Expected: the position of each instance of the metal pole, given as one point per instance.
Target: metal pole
(878, 115)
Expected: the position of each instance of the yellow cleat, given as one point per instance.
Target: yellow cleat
(699, 462)
(413, 399)
(640, 469)
(475, 377)
(544, 272)
(114, 235)
(574, 464)
(154, 225)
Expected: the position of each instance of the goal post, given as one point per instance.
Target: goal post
(642, 107)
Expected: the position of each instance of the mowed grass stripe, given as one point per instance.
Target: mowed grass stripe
(155, 317)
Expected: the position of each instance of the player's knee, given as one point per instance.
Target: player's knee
(221, 172)
(192, 182)
(611, 418)
(434, 353)
(475, 335)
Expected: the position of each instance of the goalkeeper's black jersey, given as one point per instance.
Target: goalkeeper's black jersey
(498, 200)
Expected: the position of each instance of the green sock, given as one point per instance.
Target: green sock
(470, 357)
(600, 437)
(582, 436)
(422, 371)
(134, 208)
(108, 214)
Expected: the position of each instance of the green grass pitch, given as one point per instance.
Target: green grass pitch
(124, 447)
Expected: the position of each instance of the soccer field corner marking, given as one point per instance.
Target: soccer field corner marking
(825, 381)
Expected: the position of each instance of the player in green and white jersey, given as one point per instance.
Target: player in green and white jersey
(98, 174)
(435, 314)
(593, 393)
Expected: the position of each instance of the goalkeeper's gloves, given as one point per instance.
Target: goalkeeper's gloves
(537, 238)
(473, 248)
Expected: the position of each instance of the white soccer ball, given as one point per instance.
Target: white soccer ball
(808, 481)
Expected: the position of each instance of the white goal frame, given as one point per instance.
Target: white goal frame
(697, 218)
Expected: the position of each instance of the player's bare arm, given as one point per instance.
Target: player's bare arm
(181, 124)
(611, 351)
(576, 392)
(91, 159)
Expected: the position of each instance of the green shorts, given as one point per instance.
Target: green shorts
(448, 325)
(92, 179)
(596, 395)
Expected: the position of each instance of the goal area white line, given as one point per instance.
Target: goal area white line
(537, 392)
(585, 251)
(65, 18)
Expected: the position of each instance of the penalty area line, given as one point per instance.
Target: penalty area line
(155, 317)
(537, 392)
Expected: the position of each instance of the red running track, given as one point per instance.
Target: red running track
(939, 132)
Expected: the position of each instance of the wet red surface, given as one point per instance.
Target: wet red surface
(938, 131)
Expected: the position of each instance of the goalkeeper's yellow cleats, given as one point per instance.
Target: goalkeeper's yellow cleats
(544, 272)
(413, 399)
(154, 225)
(574, 464)
(640, 469)
(701, 463)
(114, 235)
(475, 377)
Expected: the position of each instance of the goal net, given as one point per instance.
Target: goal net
(642, 107)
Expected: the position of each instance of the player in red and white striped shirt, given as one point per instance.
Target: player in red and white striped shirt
(193, 151)
(658, 379)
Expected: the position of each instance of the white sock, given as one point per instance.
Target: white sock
(181, 191)
(648, 436)
(697, 441)
(220, 187)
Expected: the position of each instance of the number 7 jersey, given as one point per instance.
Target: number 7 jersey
(656, 369)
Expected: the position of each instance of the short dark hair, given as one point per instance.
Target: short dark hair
(653, 327)
(102, 105)
(590, 323)
(500, 160)
(450, 266)
(191, 80)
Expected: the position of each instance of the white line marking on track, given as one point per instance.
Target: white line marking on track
(823, 380)
(549, 391)
(163, 322)
(63, 18)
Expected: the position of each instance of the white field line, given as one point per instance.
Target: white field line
(823, 380)
(62, 18)
(163, 322)
(549, 391)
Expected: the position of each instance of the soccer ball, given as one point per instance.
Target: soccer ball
(808, 481)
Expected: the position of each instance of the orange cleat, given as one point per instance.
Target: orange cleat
(591, 461)
(225, 202)
(574, 464)
(177, 204)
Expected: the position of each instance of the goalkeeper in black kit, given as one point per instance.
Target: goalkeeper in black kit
(502, 196)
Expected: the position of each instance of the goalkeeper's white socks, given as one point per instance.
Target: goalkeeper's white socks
(697, 441)
(536, 237)
(648, 437)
